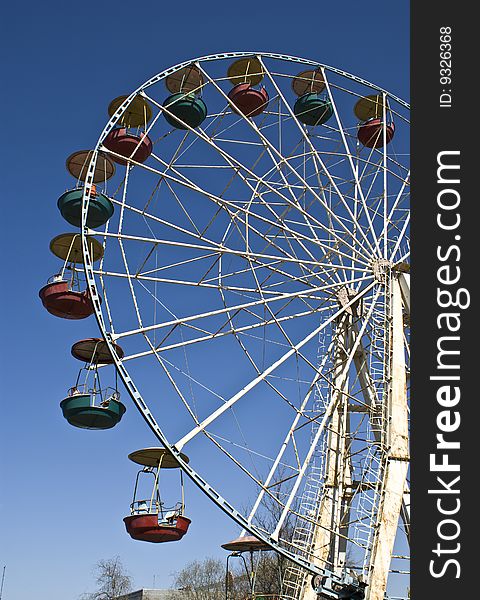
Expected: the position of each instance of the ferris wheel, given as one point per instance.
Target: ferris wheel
(244, 222)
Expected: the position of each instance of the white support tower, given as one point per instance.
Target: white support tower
(336, 504)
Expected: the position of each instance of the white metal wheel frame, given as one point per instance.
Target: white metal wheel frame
(257, 266)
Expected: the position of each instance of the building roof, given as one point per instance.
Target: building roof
(146, 594)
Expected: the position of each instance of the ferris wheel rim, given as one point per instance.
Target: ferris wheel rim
(92, 287)
(237, 54)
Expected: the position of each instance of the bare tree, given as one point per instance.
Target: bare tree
(201, 580)
(209, 579)
(254, 576)
(111, 579)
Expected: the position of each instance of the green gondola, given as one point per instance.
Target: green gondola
(186, 107)
(312, 109)
(100, 208)
(79, 411)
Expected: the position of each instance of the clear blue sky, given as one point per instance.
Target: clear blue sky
(64, 491)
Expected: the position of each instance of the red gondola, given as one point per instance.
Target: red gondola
(244, 74)
(150, 520)
(128, 145)
(371, 111)
(62, 301)
(370, 134)
(248, 100)
(64, 297)
(147, 528)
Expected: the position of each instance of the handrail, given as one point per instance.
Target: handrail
(138, 507)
